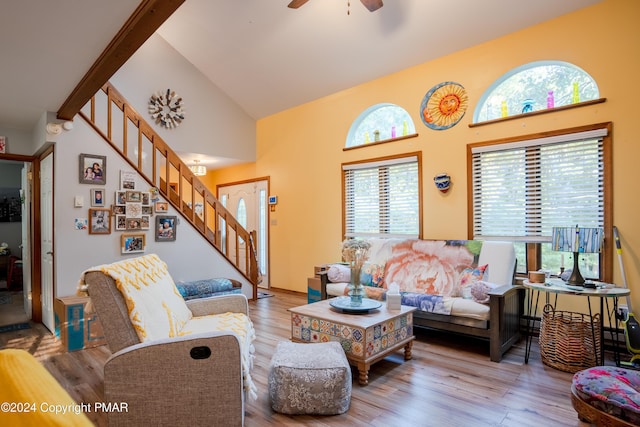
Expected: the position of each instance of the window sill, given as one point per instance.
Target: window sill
(539, 112)
(384, 141)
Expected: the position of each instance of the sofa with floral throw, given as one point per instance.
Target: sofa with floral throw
(461, 286)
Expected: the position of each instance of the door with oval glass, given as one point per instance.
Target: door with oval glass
(247, 202)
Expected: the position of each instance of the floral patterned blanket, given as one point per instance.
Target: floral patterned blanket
(425, 302)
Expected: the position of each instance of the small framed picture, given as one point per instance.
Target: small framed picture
(121, 222)
(132, 243)
(146, 198)
(99, 221)
(3, 144)
(127, 180)
(118, 210)
(134, 196)
(134, 223)
(97, 197)
(93, 169)
(161, 207)
(166, 228)
(121, 198)
(145, 222)
(147, 210)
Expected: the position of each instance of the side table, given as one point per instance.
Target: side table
(604, 291)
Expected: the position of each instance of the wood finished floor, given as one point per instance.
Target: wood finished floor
(449, 382)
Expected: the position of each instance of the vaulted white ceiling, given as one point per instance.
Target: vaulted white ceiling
(264, 55)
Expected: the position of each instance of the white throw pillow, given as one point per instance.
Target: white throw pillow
(339, 273)
(156, 308)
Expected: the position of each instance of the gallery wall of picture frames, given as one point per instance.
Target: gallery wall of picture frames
(132, 209)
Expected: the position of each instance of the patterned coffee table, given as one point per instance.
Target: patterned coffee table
(365, 338)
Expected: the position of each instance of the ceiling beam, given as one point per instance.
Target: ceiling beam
(146, 19)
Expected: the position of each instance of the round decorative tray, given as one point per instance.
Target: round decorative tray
(344, 304)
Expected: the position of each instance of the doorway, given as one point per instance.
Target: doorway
(15, 285)
(247, 202)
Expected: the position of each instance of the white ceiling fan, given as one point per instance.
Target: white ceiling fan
(372, 5)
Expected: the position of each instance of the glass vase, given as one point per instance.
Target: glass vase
(356, 291)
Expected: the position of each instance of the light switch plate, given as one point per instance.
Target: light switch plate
(78, 201)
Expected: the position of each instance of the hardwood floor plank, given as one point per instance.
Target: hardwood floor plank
(449, 382)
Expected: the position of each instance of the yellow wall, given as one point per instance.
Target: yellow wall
(301, 149)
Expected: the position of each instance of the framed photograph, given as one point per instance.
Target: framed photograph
(134, 196)
(3, 144)
(166, 228)
(121, 198)
(99, 221)
(146, 198)
(97, 197)
(161, 207)
(118, 210)
(81, 223)
(145, 222)
(93, 169)
(147, 210)
(132, 243)
(134, 223)
(127, 180)
(121, 222)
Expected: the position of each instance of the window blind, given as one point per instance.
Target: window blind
(523, 190)
(382, 198)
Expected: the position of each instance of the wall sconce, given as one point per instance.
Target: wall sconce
(442, 182)
(198, 169)
(56, 128)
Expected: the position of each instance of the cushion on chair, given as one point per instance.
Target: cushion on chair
(615, 391)
(310, 379)
(208, 287)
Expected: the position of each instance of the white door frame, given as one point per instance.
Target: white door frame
(254, 222)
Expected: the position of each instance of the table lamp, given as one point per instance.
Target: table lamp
(577, 240)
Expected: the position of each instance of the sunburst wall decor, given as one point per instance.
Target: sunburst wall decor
(444, 105)
(166, 108)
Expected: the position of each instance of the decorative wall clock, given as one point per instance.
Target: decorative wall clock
(166, 108)
(444, 105)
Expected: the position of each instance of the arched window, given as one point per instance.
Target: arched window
(535, 86)
(378, 123)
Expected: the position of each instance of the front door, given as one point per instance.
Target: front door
(247, 202)
(46, 240)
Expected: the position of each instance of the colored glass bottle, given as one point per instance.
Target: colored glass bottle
(550, 100)
(393, 131)
(405, 128)
(576, 93)
(503, 109)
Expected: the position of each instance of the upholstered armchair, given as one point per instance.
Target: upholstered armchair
(198, 375)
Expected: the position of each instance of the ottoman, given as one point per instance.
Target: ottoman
(310, 379)
(607, 395)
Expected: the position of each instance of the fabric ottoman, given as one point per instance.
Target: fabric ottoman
(310, 379)
(607, 395)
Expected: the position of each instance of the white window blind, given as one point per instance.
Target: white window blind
(382, 198)
(521, 190)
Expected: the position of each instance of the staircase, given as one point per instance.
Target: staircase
(111, 116)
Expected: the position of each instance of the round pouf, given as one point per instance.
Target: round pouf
(310, 379)
(607, 395)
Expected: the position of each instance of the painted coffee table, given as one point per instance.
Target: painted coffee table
(366, 338)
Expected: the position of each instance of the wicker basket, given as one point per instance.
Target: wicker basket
(569, 341)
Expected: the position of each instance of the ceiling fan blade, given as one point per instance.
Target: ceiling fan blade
(372, 5)
(296, 3)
